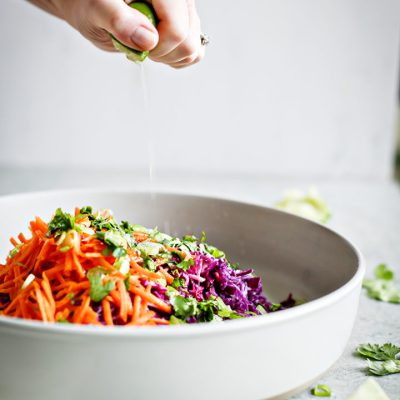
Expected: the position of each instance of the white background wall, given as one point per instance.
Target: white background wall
(289, 88)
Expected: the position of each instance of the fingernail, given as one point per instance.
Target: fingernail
(144, 38)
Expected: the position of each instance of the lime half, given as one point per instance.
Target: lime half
(132, 54)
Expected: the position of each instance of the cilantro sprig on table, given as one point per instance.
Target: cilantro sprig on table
(381, 359)
(383, 287)
(387, 351)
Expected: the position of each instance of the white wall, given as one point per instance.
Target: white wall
(289, 88)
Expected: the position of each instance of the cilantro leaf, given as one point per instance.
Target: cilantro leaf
(321, 391)
(130, 228)
(225, 311)
(88, 210)
(115, 241)
(184, 307)
(383, 272)
(97, 290)
(212, 250)
(61, 222)
(383, 288)
(383, 368)
(176, 321)
(388, 351)
(178, 282)
(189, 238)
(185, 265)
(207, 310)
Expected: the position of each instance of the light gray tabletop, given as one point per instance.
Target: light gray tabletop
(368, 213)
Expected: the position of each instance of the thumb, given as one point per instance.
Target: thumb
(128, 25)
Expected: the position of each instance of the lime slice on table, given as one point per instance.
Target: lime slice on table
(132, 54)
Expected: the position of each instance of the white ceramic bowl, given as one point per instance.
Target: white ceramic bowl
(261, 357)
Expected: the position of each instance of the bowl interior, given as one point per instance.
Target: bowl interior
(289, 253)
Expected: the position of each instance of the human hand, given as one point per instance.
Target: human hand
(175, 42)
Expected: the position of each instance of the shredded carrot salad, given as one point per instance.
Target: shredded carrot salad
(65, 277)
(86, 268)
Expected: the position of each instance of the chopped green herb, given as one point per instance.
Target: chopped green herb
(112, 238)
(127, 227)
(321, 391)
(383, 287)
(61, 222)
(189, 238)
(138, 228)
(98, 290)
(261, 309)
(184, 307)
(106, 252)
(148, 249)
(185, 265)
(178, 282)
(203, 237)
(206, 310)
(119, 252)
(384, 355)
(162, 281)
(188, 246)
(176, 321)
(126, 282)
(123, 264)
(213, 251)
(64, 249)
(159, 236)
(383, 272)
(149, 264)
(225, 311)
(382, 368)
(71, 297)
(15, 250)
(388, 351)
(86, 210)
(116, 242)
(275, 307)
(308, 205)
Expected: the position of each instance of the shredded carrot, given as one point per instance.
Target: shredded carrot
(169, 278)
(82, 310)
(136, 309)
(155, 301)
(107, 312)
(46, 278)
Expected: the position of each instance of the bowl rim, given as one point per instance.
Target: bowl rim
(183, 331)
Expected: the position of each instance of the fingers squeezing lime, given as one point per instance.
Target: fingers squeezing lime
(132, 54)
